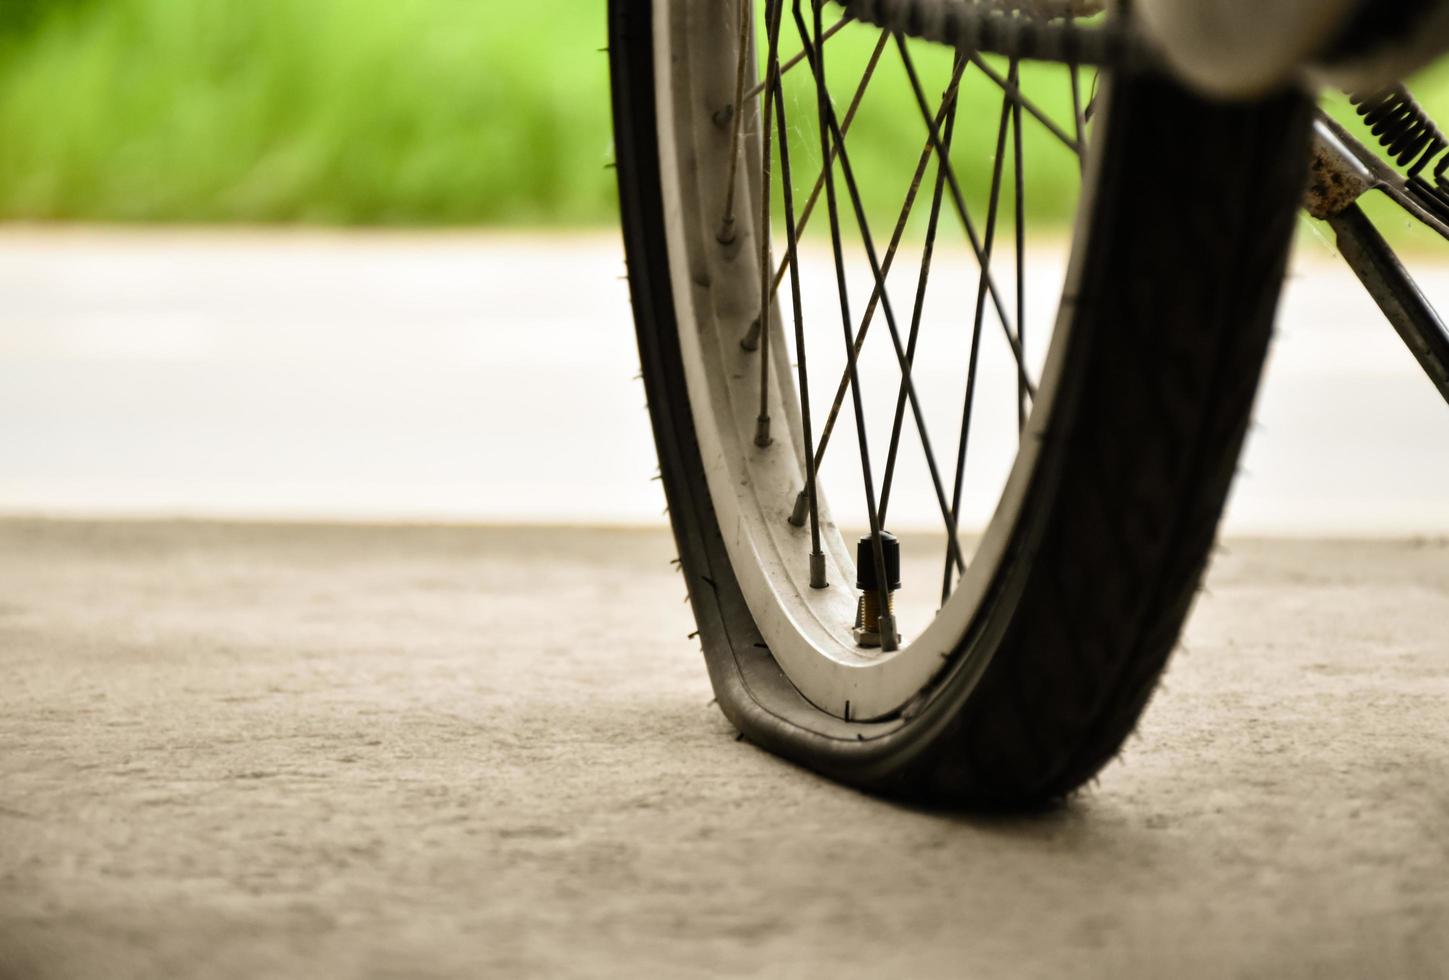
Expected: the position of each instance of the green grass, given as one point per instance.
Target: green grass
(396, 112)
(327, 111)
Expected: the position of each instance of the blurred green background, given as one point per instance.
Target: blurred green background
(365, 112)
(419, 112)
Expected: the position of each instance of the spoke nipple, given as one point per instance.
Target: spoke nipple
(723, 116)
(751, 340)
(817, 571)
(726, 233)
(762, 431)
(801, 509)
(874, 626)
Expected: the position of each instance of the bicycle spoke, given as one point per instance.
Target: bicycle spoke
(887, 626)
(1020, 201)
(792, 258)
(726, 233)
(1079, 117)
(927, 253)
(993, 209)
(863, 224)
(772, 65)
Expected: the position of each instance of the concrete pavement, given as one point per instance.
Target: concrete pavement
(329, 751)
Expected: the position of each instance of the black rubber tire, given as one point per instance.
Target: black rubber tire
(1187, 244)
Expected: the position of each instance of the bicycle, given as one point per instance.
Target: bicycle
(1123, 427)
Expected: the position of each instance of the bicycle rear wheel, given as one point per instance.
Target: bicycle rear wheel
(1057, 625)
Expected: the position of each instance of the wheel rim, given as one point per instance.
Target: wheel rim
(712, 169)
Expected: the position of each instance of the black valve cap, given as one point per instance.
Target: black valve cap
(865, 563)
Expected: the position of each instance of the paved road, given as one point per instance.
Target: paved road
(243, 751)
(490, 378)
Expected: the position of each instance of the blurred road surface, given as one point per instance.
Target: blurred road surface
(491, 377)
(237, 751)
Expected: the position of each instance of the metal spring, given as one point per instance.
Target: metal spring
(1405, 131)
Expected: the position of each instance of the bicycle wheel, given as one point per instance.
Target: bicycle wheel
(1128, 420)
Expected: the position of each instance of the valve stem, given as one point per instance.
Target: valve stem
(874, 626)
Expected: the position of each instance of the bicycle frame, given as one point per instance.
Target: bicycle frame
(1343, 170)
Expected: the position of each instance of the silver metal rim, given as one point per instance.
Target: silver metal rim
(716, 291)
